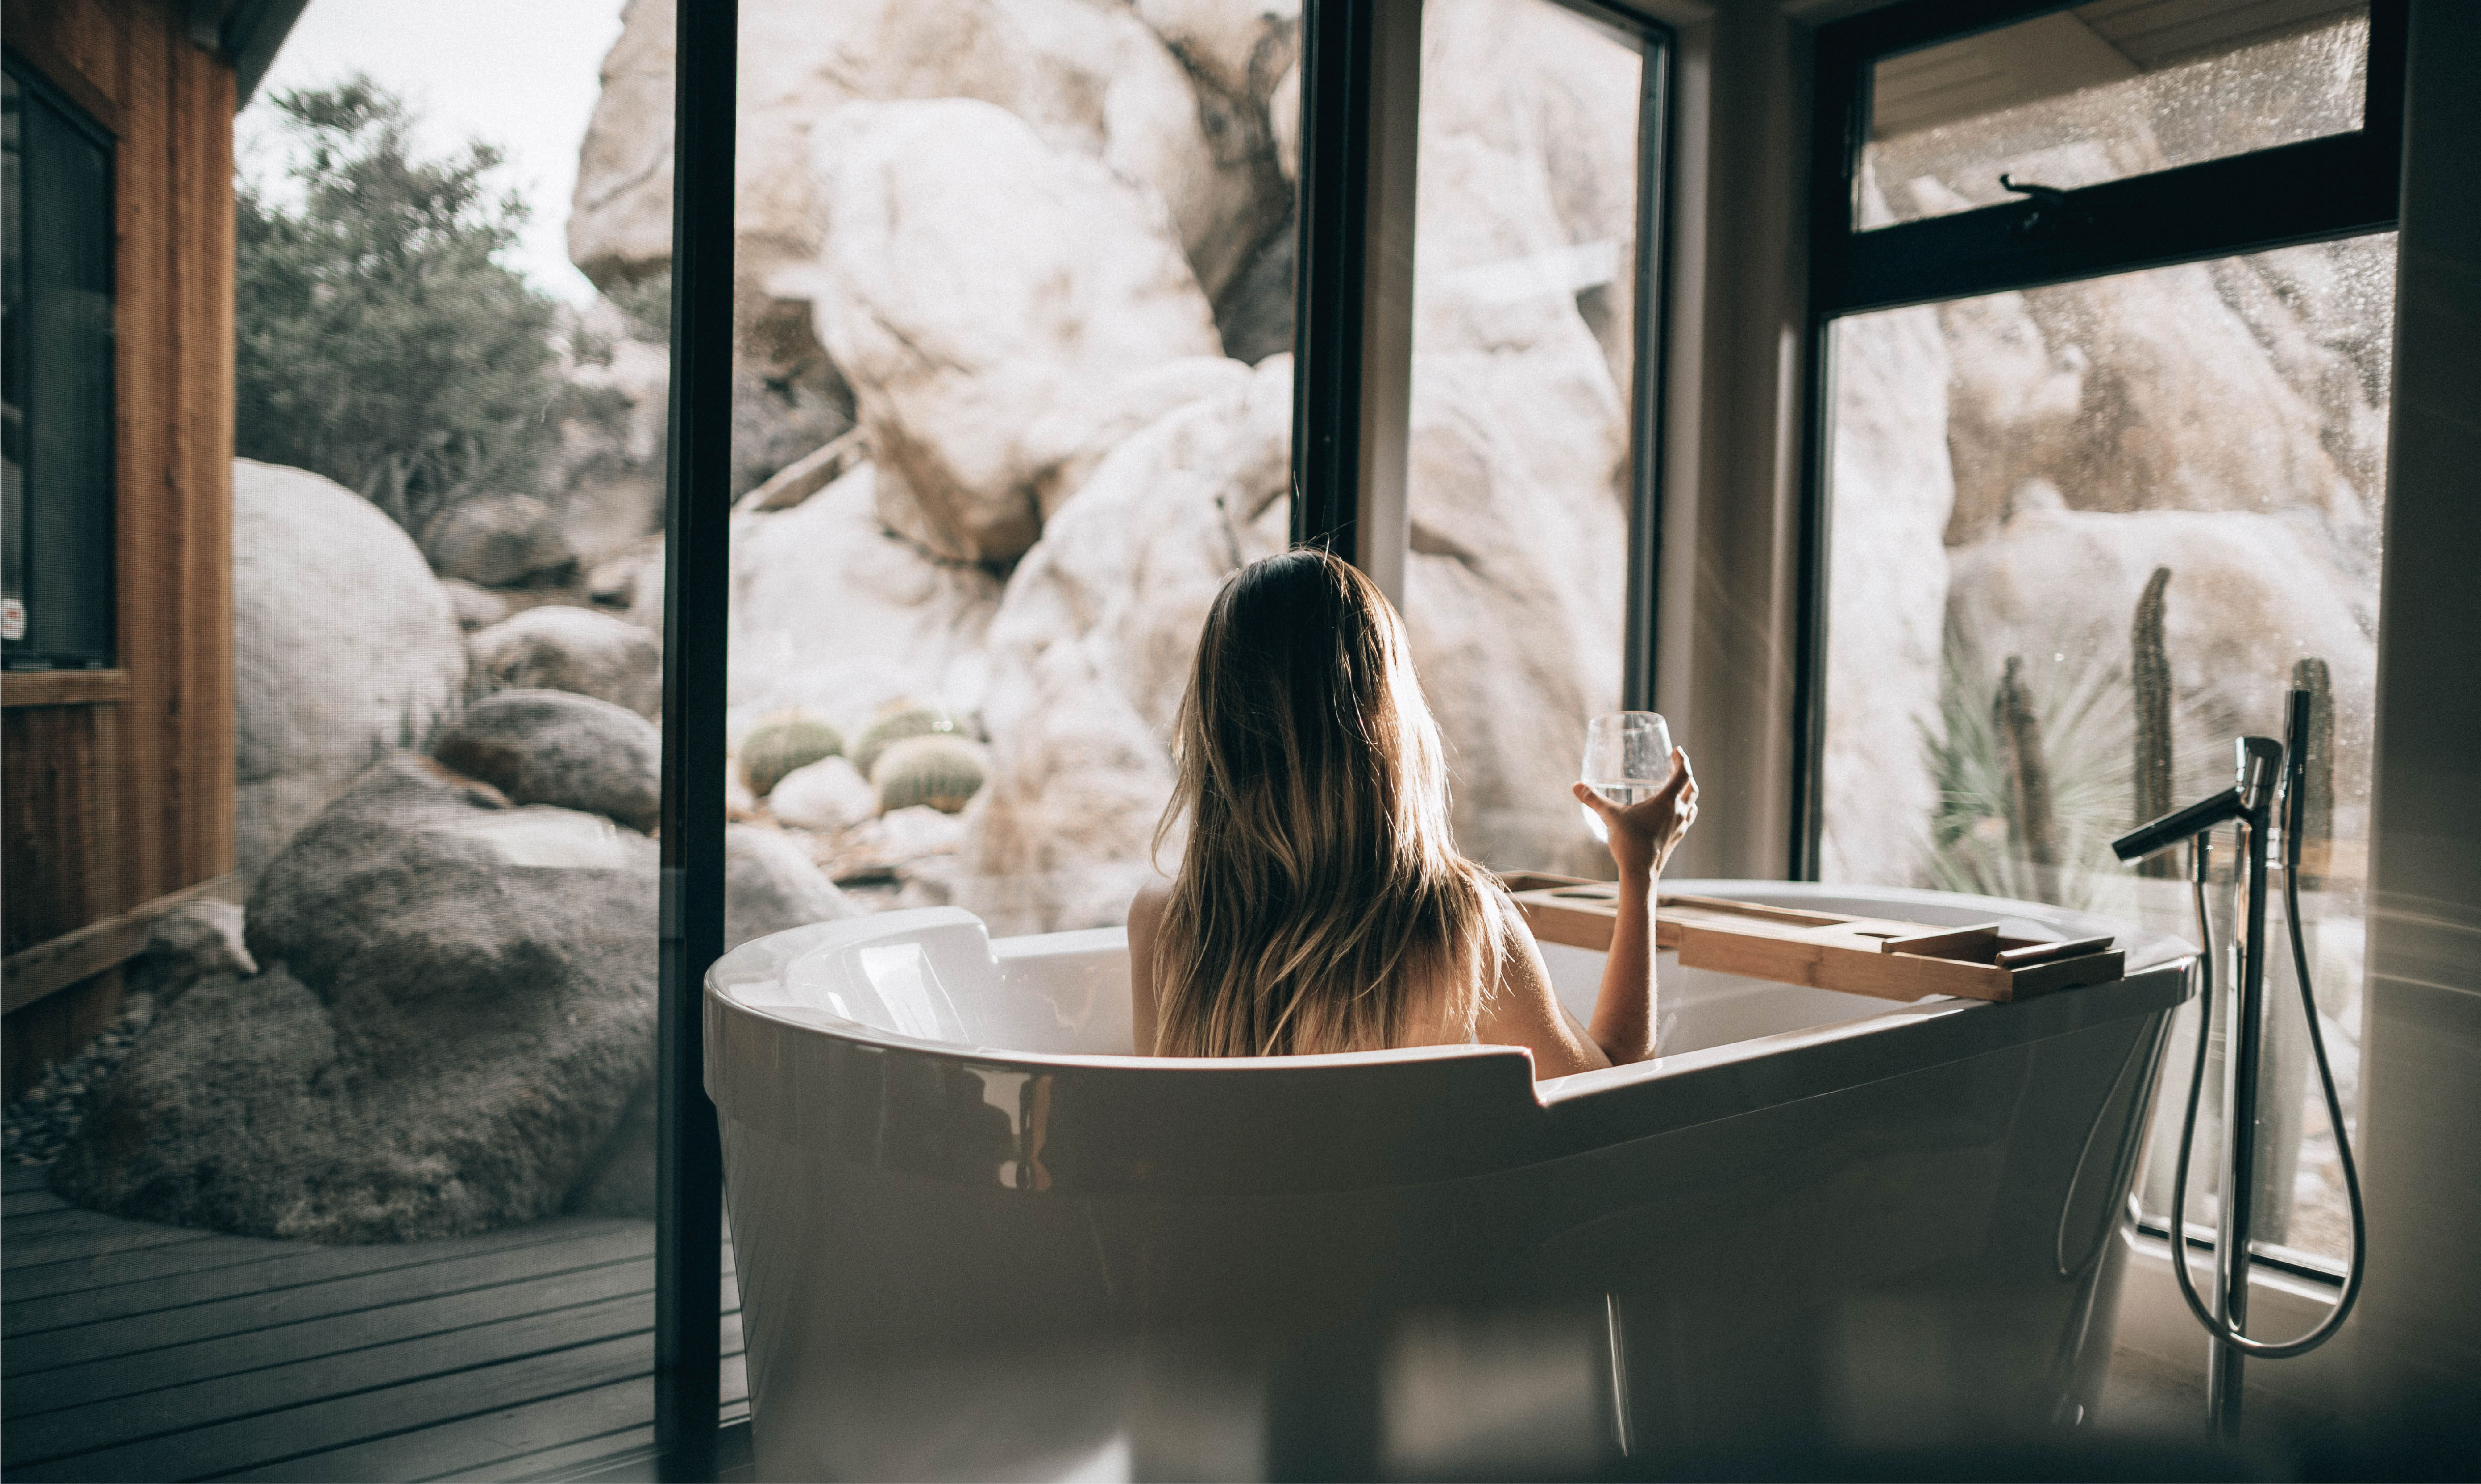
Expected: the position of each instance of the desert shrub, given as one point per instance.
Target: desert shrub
(379, 338)
(2087, 732)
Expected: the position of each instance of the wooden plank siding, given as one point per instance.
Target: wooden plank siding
(118, 790)
(519, 1353)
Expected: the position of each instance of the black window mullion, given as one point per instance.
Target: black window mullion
(1339, 53)
(2322, 187)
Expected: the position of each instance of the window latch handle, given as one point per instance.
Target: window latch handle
(2046, 212)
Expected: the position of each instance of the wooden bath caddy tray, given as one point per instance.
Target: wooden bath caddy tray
(1860, 955)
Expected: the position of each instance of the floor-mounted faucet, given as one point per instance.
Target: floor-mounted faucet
(2269, 773)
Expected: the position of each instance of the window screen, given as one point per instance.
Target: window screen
(58, 476)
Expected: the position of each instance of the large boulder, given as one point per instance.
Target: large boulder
(771, 885)
(609, 467)
(1090, 80)
(455, 1007)
(1091, 649)
(560, 748)
(1239, 50)
(1087, 78)
(1515, 587)
(558, 647)
(197, 940)
(1527, 212)
(1887, 587)
(1514, 592)
(956, 335)
(497, 541)
(345, 646)
(833, 612)
(2117, 394)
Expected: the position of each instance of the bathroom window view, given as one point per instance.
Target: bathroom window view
(377, 1090)
(1014, 394)
(2105, 90)
(1520, 473)
(2081, 536)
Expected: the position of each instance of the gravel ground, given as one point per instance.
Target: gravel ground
(37, 1125)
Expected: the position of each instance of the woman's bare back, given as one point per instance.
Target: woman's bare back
(1522, 1009)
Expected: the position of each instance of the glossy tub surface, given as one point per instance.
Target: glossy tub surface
(975, 1238)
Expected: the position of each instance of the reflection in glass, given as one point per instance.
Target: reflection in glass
(2058, 512)
(1525, 267)
(2102, 92)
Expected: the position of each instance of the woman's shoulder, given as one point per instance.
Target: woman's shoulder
(1147, 905)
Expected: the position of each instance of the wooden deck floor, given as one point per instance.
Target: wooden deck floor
(135, 1351)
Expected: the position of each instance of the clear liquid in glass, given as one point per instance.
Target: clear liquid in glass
(1627, 758)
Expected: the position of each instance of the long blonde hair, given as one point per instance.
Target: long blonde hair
(1320, 905)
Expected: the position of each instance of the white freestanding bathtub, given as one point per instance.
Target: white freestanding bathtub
(977, 1238)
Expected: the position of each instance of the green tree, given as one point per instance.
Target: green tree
(380, 340)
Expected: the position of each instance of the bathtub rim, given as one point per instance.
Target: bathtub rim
(1556, 1118)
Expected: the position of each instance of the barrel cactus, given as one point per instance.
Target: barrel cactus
(938, 768)
(895, 726)
(781, 743)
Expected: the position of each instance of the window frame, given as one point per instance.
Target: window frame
(2319, 190)
(21, 659)
(1342, 350)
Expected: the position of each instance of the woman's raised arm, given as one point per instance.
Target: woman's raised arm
(1642, 837)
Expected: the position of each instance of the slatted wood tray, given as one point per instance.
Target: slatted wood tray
(1884, 957)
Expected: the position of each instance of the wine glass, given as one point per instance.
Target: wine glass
(1627, 757)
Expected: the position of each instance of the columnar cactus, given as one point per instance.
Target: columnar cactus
(2150, 669)
(2031, 822)
(781, 743)
(2318, 816)
(940, 769)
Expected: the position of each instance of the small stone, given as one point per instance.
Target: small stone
(828, 795)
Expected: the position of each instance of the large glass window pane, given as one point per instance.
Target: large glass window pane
(409, 1044)
(56, 449)
(1527, 272)
(2082, 537)
(2102, 91)
(1015, 302)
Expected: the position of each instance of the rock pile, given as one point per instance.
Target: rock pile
(444, 1021)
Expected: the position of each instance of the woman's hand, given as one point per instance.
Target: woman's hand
(1644, 834)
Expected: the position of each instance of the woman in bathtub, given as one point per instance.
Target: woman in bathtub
(1320, 905)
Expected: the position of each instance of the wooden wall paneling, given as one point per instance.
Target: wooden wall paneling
(58, 843)
(199, 789)
(79, 45)
(149, 408)
(109, 805)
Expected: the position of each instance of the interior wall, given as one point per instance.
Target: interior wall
(1726, 595)
(2419, 1347)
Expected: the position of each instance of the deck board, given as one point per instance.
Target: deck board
(241, 1359)
(138, 1286)
(72, 1237)
(253, 1320)
(28, 1203)
(133, 1353)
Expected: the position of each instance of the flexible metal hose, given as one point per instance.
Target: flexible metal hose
(2334, 1320)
